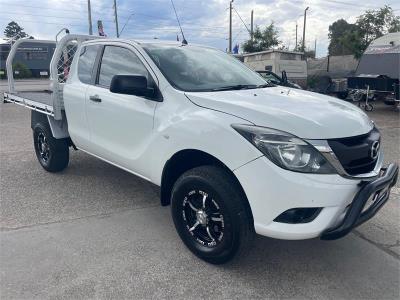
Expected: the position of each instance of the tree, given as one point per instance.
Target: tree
(14, 31)
(353, 39)
(338, 45)
(351, 43)
(262, 39)
(21, 70)
(375, 23)
(308, 53)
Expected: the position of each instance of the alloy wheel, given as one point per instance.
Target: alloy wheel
(43, 147)
(203, 218)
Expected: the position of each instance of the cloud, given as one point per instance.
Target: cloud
(203, 21)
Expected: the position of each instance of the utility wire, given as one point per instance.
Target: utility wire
(40, 7)
(241, 19)
(50, 23)
(352, 4)
(236, 36)
(46, 16)
(201, 29)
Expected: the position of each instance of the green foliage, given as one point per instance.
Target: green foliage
(307, 52)
(312, 82)
(353, 39)
(262, 39)
(375, 23)
(14, 31)
(340, 35)
(21, 71)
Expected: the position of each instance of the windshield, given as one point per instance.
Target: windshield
(195, 69)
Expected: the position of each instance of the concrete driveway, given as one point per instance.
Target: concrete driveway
(94, 231)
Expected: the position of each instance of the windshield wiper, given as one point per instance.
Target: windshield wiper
(269, 84)
(236, 87)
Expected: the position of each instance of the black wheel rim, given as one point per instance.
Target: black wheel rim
(43, 147)
(203, 218)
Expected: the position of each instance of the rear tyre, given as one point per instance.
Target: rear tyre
(211, 214)
(52, 154)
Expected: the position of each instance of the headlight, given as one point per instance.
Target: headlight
(285, 150)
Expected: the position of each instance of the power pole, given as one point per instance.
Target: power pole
(315, 48)
(252, 25)
(230, 27)
(90, 18)
(304, 30)
(116, 17)
(295, 47)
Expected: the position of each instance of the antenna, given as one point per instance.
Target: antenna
(184, 42)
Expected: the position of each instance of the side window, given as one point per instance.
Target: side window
(120, 61)
(86, 63)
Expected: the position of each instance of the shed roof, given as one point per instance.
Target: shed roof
(272, 50)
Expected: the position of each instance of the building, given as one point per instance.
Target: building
(277, 61)
(35, 57)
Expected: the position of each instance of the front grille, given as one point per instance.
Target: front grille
(354, 153)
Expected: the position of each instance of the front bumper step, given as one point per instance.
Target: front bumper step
(356, 214)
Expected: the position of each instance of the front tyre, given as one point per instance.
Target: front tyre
(211, 214)
(52, 154)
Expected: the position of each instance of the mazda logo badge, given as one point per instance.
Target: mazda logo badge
(375, 149)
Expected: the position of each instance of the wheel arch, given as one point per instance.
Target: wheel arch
(185, 160)
(58, 128)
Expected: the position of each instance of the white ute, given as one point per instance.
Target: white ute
(233, 154)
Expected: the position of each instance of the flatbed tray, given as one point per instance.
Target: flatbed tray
(40, 101)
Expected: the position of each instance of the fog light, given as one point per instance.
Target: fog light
(299, 215)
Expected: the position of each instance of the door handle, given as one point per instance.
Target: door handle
(95, 98)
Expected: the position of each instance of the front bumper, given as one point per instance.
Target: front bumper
(272, 190)
(357, 213)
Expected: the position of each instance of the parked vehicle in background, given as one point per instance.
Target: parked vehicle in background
(232, 154)
(278, 61)
(275, 79)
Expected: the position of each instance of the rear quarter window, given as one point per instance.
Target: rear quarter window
(86, 62)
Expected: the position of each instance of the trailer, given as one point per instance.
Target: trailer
(378, 73)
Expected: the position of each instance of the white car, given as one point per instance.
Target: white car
(233, 155)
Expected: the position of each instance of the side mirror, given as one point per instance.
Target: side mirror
(131, 85)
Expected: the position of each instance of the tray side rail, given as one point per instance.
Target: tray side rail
(30, 104)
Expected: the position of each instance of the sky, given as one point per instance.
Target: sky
(203, 21)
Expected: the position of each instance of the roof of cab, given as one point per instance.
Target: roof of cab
(154, 41)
